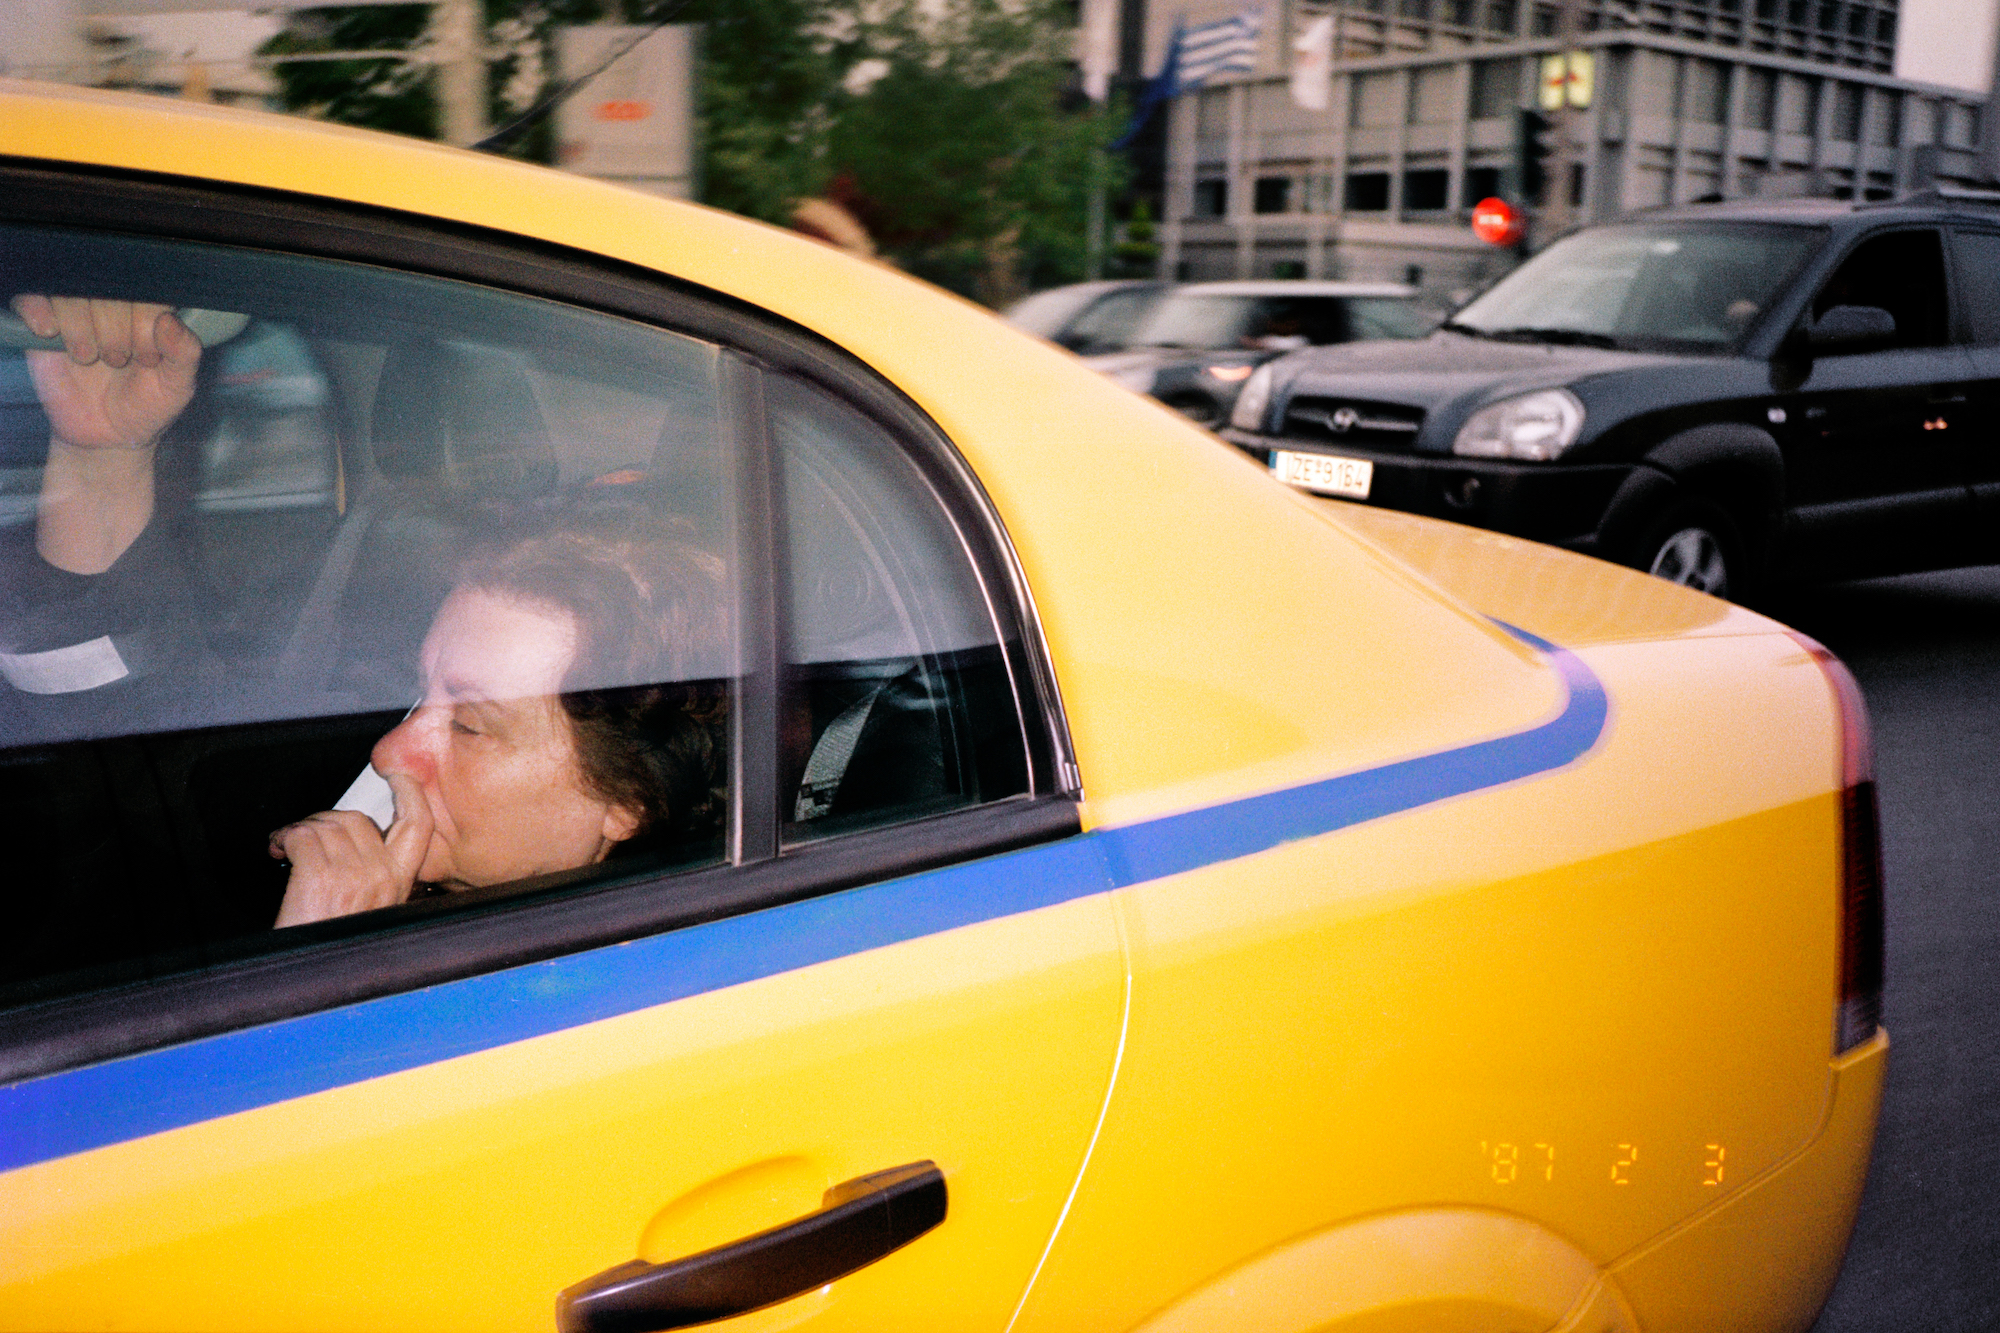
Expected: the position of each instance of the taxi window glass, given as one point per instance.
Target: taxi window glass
(337, 550)
(896, 700)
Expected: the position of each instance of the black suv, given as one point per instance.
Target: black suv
(1721, 394)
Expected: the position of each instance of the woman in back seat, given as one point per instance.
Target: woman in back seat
(572, 708)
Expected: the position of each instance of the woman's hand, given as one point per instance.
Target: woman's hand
(125, 372)
(341, 863)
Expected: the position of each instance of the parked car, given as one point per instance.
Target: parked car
(1099, 889)
(1726, 395)
(1198, 345)
(1088, 318)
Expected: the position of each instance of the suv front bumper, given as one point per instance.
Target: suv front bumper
(1562, 504)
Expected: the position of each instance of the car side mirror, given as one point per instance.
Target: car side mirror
(1847, 327)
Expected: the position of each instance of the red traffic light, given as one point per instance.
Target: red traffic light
(1497, 222)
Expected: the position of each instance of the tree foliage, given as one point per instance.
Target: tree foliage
(944, 125)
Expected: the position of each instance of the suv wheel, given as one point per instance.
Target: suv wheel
(1695, 546)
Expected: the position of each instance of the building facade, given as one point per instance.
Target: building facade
(1690, 99)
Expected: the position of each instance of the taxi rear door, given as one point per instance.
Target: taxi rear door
(897, 966)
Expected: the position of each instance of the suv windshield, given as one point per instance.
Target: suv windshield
(1664, 286)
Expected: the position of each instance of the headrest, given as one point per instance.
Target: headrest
(463, 416)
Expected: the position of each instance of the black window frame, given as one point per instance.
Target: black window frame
(335, 963)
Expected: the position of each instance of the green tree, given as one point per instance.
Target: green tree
(941, 123)
(770, 73)
(381, 94)
(959, 154)
(1138, 254)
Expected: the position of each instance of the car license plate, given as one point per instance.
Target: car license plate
(1327, 473)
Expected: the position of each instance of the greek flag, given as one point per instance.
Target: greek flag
(1195, 55)
(1219, 48)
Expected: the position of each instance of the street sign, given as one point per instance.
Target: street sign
(1497, 222)
(634, 121)
(1568, 79)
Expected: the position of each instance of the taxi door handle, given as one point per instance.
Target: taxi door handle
(859, 1221)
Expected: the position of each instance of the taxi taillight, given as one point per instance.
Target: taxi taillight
(1861, 925)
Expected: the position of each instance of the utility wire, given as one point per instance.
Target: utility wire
(510, 133)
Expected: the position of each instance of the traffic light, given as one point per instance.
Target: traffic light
(1532, 131)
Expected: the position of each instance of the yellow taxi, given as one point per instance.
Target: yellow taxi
(573, 759)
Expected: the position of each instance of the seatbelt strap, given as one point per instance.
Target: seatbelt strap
(310, 652)
(830, 757)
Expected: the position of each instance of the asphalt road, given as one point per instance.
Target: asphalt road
(1926, 649)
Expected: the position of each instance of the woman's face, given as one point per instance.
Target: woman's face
(493, 751)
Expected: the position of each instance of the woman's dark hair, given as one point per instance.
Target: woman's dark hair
(646, 691)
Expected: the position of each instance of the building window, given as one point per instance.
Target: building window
(1708, 91)
(1846, 126)
(1887, 122)
(1829, 16)
(1923, 121)
(1375, 97)
(1759, 94)
(1273, 195)
(1368, 192)
(1655, 84)
(1211, 198)
(1961, 125)
(1496, 88)
(1545, 21)
(1577, 179)
(1481, 183)
(1425, 189)
(1433, 94)
(1288, 268)
(1502, 15)
(1798, 105)
(1211, 114)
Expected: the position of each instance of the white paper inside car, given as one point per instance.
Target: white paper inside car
(370, 795)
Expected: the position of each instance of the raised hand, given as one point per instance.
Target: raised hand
(126, 371)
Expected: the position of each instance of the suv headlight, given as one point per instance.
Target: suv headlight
(1248, 414)
(1535, 427)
